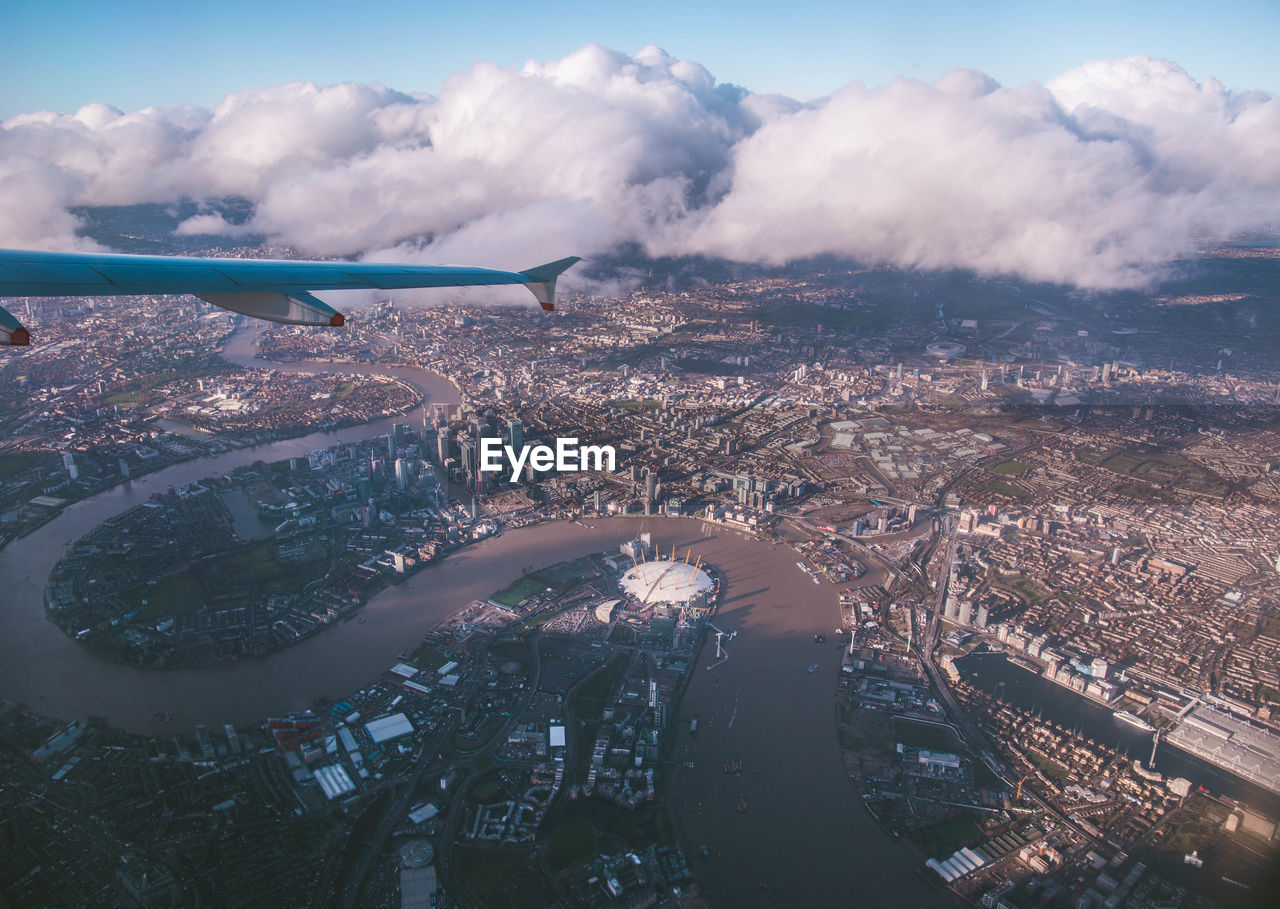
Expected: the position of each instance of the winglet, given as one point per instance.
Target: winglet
(542, 280)
(12, 331)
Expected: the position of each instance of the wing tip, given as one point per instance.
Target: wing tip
(541, 280)
(12, 332)
(551, 270)
(337, 320)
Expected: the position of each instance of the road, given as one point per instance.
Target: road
(976, 740)
(372, 847)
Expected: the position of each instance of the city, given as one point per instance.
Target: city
(1038, 574)
(872, 498)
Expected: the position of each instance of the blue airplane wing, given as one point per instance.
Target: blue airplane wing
(275, 290)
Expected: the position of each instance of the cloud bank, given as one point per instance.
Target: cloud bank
(1098, 179)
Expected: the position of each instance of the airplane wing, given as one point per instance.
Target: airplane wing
(275, 290)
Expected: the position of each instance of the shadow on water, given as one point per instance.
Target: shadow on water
(746, 595)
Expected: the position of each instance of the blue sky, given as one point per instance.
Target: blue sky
(136, 53)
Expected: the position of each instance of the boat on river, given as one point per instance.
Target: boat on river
(1125, 716)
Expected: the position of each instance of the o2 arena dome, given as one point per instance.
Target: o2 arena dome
(665, 582)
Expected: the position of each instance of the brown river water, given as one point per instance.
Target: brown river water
(805, 838)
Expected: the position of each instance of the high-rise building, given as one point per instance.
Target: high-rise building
(515, 434)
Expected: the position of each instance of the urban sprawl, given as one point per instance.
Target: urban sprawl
(1013, 499)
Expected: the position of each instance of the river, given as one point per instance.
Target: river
(43, 668)
(993, 673)
(804, 840)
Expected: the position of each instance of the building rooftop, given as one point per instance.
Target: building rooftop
(665, 581)
(389, 727)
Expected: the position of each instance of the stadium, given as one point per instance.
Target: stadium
(666, 582)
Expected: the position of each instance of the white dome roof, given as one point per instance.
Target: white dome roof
(665, 581)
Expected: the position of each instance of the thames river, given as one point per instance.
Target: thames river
(804, 838)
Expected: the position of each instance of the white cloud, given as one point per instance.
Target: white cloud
(210, 224)
(1099, 178)
(1089, 181)
(33, 206)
